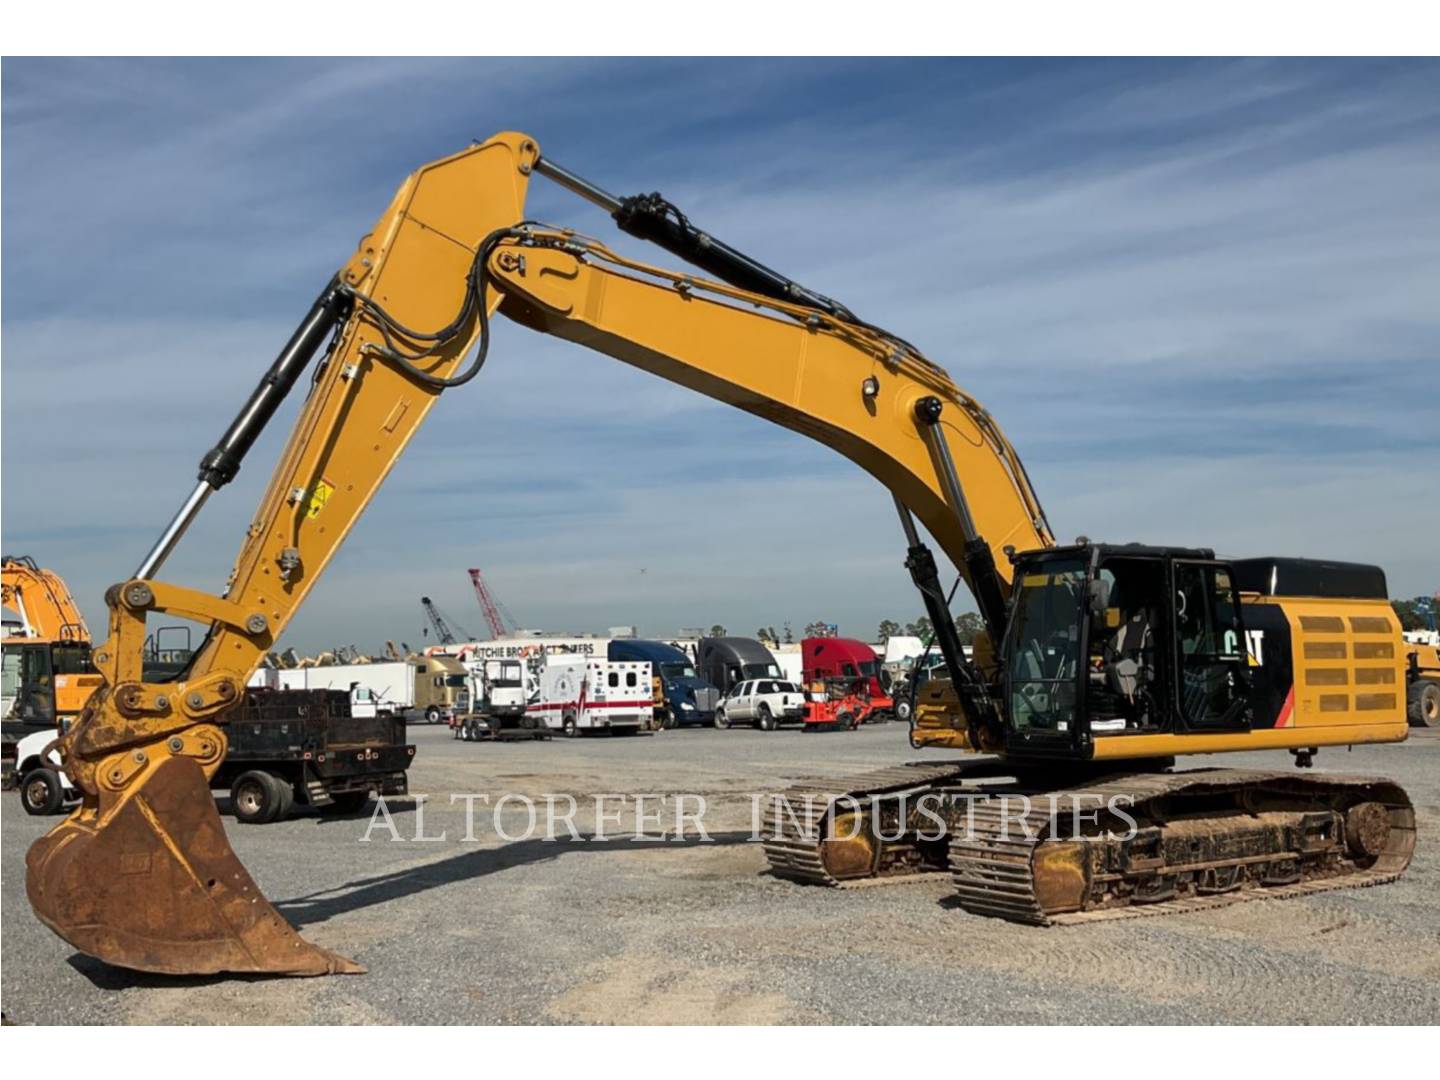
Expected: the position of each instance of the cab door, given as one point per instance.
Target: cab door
(739, 705)
(1213, 683)
(36, 693)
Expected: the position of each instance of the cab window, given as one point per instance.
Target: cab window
(1045, 647)
(1214, 683)
(11, 684)
(1127, 666)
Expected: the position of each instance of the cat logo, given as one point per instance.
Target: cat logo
(1254, 646)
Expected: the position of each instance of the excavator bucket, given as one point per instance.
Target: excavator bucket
(147, 880)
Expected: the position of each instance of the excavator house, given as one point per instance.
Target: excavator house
(1098, 664)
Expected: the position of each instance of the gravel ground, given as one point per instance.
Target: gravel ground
(691, 932)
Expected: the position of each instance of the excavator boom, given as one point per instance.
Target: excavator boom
(42, 600)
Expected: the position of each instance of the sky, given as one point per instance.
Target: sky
(1201, 297)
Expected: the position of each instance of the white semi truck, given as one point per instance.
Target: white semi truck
(499, 691)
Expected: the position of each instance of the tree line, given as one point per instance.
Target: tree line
(1417, 613)
(967, 624)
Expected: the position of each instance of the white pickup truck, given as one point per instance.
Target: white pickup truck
(44, 789)
(763, 703)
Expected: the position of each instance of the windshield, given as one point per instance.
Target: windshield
(677, 671)
(509, 675)
(1045, 647)
(761, 671)
(72, 659)
(10, 686)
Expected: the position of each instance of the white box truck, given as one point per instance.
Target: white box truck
(579, 693)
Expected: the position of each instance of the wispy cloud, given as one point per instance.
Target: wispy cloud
(1200, 296)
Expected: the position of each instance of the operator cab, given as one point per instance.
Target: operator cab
(1106, 641)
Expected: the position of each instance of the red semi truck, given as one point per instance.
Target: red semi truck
(831, 658)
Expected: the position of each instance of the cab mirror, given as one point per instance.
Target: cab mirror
(1099, 597)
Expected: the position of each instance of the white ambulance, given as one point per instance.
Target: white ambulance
(578, 693)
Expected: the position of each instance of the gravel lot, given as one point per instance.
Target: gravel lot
(624, 932)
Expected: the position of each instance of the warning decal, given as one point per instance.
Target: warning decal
(318, 498)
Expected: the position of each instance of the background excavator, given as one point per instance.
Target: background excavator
(47, 675)
(47, 670)
(1098, 662)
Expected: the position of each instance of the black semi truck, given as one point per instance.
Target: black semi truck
(725, 661)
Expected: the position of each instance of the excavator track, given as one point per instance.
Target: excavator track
(1204, 839)
(799, 823)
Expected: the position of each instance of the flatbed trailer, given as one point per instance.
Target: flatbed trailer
(303, 747)
(285, 748)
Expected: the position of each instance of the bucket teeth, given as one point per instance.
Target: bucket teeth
(151, 883)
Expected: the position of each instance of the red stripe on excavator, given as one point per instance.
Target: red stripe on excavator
(1287, 710)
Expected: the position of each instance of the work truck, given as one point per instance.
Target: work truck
(286, 748)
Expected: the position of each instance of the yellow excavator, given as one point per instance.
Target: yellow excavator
(1098, 663)
(47, 672)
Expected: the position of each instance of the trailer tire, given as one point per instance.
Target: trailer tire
(257, 798)
(287, 797)
(432, 715)
(721, 720)
(569, 726)
(41, 791)
(764, 719)
(1425, 703)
